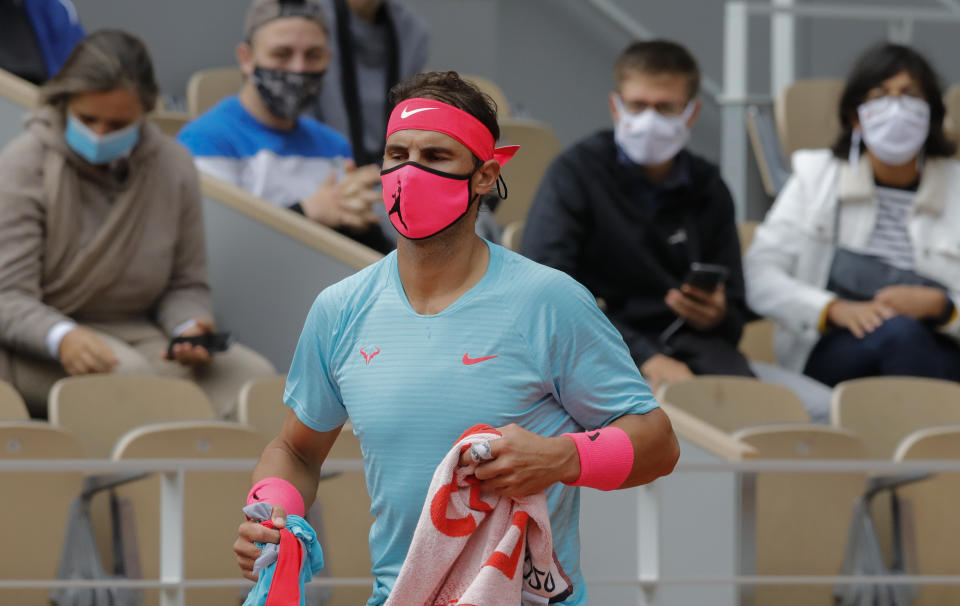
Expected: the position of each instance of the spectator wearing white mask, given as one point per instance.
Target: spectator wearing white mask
(626, 212)
(858, 261)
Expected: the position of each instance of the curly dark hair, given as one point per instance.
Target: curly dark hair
(882, 62)
(449, 88)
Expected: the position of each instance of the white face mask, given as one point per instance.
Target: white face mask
(650, 138)
(894, 128)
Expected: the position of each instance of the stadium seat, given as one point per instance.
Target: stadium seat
(807, 114)
(774, 167)
(756, 342)
(883, 410)
(36, 506)
(935, 525)
(98, 409)
(494, 91)
(732, 403)
(512, 235)
(261, 405)
(802, 518)
(170, 123)
(12, 406)
(538, 147)
(208, 86)
(212, 502)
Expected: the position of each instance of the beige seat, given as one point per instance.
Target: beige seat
(745, 231)
(802, 519)
(951, 122)
(212, 501)
(512, 235)
(883, 410)
(343, 498)
(208, 86)
(35, 507)
(170, 123)
(936, 527)
(538, 147)
(98, 409)
(756, 342)
(808, 115)
(12, 406)
(261, 405)
(732, 403)
(493, 89)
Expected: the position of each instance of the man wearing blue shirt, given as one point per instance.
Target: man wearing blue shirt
(450, 331)
(258, 139)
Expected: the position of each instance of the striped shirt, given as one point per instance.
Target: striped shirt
(890, 240)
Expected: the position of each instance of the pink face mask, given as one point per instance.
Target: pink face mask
(421, 201)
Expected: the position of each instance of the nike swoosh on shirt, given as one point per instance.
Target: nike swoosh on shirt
(468, 360)
(407, 113)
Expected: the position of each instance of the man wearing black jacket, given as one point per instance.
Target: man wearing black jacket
(626, 212)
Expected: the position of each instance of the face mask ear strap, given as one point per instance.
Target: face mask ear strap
(501, 192)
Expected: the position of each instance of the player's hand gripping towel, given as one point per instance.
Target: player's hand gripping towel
(285, 568)
(474, 549)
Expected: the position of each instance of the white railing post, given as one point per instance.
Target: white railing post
(733, 131)
(648, 540)
(783, 41)
(171, 537)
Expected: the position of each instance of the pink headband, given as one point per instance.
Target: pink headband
(432, 115)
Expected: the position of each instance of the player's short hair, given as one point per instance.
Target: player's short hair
(657, 57)
(449, 88)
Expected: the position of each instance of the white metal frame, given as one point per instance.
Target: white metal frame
(173, 585)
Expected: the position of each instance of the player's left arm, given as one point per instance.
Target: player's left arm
(525, 463)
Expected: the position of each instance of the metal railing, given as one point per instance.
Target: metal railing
(172, 472)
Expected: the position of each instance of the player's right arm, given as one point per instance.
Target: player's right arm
(295, 455)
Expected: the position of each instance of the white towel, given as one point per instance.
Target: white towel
(473, 549)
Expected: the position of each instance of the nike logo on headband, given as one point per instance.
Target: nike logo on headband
(407, 113)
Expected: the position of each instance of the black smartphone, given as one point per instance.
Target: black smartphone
(706, 276)
(212, 342)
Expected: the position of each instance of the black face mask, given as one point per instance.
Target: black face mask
(286, 94)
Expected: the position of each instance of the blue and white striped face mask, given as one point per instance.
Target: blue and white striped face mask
(100, 149)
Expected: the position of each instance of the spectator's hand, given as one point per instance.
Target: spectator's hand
(701, 309)
(253, 532)
(192, 355)
(525, 463)
(660, 370)
(347, 203)
(918, 302)
(860, 319)
(82, 352)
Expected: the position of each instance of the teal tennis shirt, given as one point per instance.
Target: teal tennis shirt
(526, 345)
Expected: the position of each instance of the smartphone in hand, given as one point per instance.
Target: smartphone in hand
(212, 342)
(705, 276)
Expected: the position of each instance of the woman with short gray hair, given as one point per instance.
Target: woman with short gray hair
(101, 237)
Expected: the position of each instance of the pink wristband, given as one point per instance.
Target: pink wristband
(277, 491)
(606, 457)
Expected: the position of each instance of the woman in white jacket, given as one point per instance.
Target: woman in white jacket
(858, 261)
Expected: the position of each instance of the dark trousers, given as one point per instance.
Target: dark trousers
(901, 346)
(708, 355)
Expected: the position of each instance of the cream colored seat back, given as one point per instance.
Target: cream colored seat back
(212, 505)
(12, 406)
(98, 409)
(932, 512)
(261, 405)
(808, 114)
(512, 235)
(492, 89)
(731, 403)
(883, 410)
(538, 147)
(756, 342)
(170, 123)
(208, 87)
(802, 519)
(35, 506)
